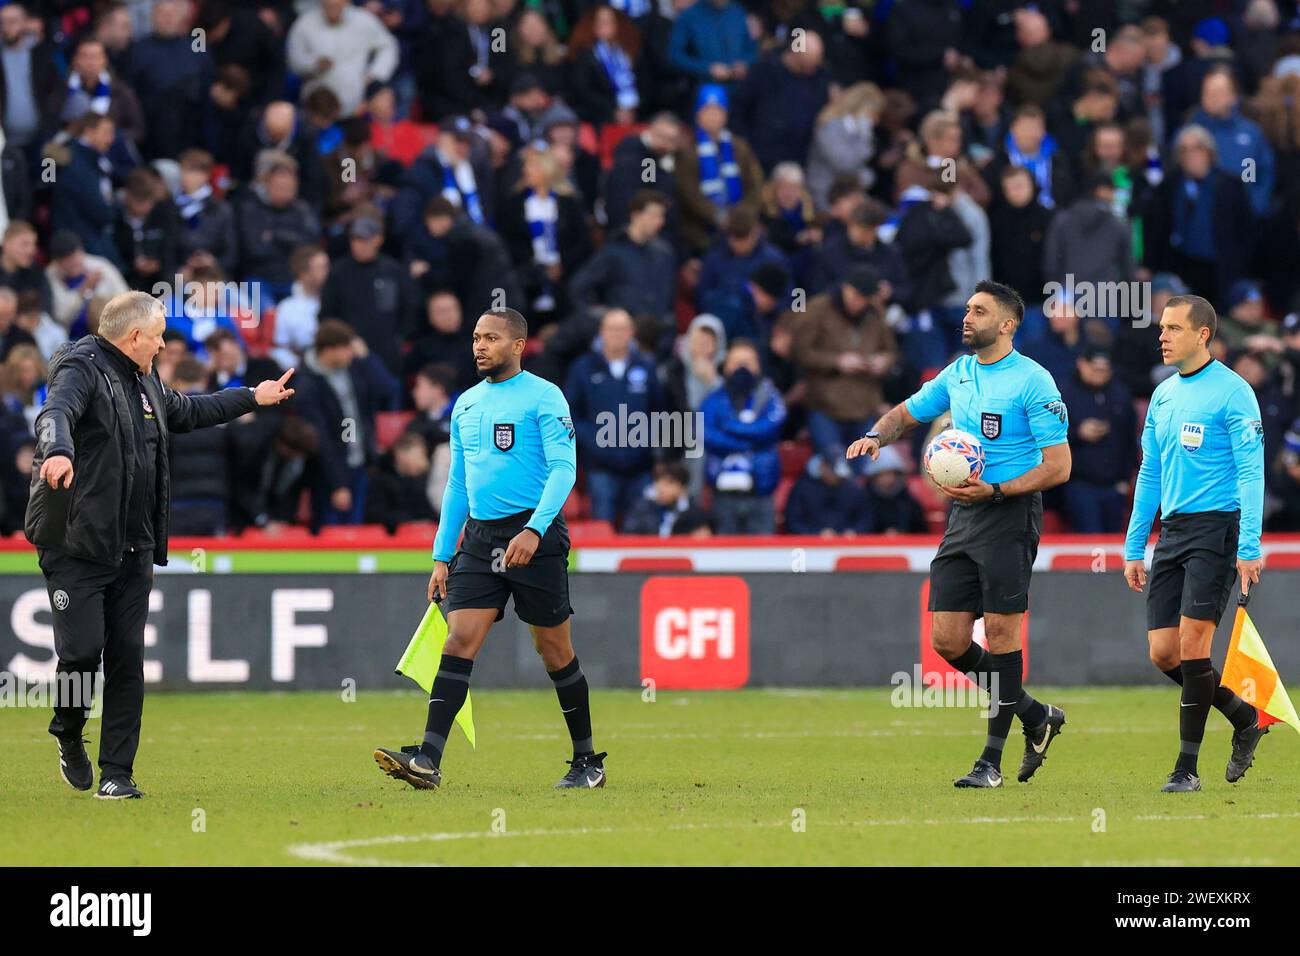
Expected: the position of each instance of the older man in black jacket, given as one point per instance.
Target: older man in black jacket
(99, 534)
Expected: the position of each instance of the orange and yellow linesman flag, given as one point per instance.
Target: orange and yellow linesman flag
(1249, 671)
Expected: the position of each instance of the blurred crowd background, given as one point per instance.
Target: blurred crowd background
(770, 214)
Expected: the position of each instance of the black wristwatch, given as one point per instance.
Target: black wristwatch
(998, 496)
(875, 435)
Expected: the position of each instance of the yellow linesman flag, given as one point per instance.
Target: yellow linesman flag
(1249, 671)
(420, 662)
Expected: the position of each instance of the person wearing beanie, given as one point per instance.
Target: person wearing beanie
(716, 171)
(1247, 325)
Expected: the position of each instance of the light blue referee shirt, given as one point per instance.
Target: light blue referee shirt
(1012, 406)
(1202, 450)
(512, 450)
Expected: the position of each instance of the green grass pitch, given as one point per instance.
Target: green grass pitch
(745, 777)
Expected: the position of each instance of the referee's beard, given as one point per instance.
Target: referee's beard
(494, 371)
(975, 340)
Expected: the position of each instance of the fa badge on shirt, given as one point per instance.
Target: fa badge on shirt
(1193, 435)
(504, 435)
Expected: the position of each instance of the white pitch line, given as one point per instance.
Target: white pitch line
(337, 851)
(1220, 816)
(333, 852)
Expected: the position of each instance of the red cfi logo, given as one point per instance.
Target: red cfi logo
(695, 632)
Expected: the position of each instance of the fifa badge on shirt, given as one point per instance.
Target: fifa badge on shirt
(504, 435)
(990, 424)
(1192, 436)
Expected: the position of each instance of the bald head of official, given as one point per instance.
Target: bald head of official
(134, 323)
(499, 338)
(1187, 325)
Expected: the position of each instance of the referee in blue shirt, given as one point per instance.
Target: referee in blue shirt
(1203, 467)
(513, 464)
(984, 562)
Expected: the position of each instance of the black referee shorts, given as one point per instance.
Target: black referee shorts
(986, 556)
(1193, 568)
(478, 577)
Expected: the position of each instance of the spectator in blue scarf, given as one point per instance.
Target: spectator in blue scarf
(545, 229)
(716, 171)
(606, 76)
(1028, 145)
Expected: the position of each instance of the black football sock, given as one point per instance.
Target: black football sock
(571, 689)
(1011, 692)
(1193, 709)
(973, 661)
(1004, 695)
(450, 688)
(1241, 714)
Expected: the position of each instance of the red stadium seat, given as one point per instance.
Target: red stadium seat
(936, 511)
(576, 508)
(590, 529)
(794, 458)
(780, 497)
(588, 141)
(1140, 406)
(418, 529)
(293, 532)
(1054, 523)
(258, 332)
(389, 427)
(654, 563)
(611, 135)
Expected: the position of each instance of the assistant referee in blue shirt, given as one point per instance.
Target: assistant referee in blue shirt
(1203, 468)
(513, 464)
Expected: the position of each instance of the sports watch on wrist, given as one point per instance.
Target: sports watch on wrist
(998, 496)
(875, 435)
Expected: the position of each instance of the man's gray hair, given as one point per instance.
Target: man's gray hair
(1194, 135)
(269, 161)
(128, 311)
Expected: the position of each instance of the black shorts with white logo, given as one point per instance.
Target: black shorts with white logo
(1193, 568)
(987, 556)
(478, 577)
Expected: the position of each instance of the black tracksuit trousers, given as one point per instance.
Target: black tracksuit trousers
(99, 612)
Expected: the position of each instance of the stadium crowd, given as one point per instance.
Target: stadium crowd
(769, 214)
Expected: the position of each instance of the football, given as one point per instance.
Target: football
(953, 456)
